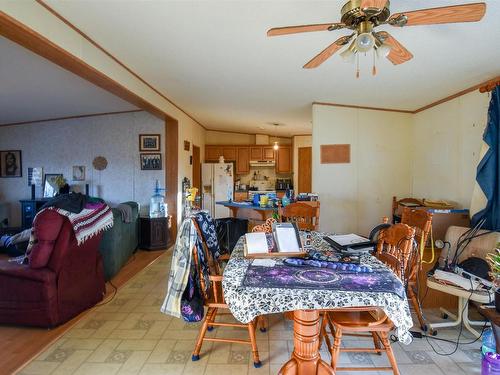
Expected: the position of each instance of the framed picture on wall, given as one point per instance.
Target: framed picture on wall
(50, 186)
(149, 142)
(150, 162)
(78, 173)
(11, 163)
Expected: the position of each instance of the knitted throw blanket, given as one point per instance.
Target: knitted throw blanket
(89, 222)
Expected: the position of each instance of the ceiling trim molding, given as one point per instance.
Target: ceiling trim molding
(19, 33)
(70, 117)
(102, 49)
(458, 94)
(362, 107)
(246, 133)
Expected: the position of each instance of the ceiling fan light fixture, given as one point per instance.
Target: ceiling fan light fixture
(365, 42)
(349, 54)
(383, 50)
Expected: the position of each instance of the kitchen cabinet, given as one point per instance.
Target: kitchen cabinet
(240, 196)
(243, 160)
(212, 153)
(267, 153)
(229, 153)
(284, 160)
(255, 153)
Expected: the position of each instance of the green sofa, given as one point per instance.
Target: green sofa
(119, 243)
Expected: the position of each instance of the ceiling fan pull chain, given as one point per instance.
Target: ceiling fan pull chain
(374, 70)
(357, 65)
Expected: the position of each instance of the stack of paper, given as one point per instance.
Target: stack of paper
(256, 243)
(287, 239)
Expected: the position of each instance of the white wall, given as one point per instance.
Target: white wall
(36, 17)
(447, 142)
(59, 145)
(299, 141)
(355, 196)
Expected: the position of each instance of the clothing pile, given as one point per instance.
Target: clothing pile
(184, 291)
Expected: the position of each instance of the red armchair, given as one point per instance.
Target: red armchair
(61, 280)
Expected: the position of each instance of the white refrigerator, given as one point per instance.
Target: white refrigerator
(217, 181)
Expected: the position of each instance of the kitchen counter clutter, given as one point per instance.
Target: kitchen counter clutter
(246, 210)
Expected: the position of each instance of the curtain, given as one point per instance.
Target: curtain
(486, 197)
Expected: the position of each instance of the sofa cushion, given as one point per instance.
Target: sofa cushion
(47, 226)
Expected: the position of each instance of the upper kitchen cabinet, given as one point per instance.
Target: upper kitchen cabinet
(267, 153)
(256, 153)
(284, 159)
(213, 152)
(229, 153)
(243, 160)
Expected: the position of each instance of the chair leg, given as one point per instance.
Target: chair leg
(376, 342)
(261, 321)
(390, 353)
(416, 306)
(201, 335)
(255, 352)
(336, 347)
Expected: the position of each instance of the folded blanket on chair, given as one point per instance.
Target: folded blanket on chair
(89, 222)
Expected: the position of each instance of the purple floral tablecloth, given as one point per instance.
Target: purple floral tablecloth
(247, 302)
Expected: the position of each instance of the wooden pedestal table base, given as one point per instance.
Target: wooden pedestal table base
(305, 357)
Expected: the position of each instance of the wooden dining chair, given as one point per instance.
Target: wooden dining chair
(213, 299)
(421, 221)
(395, 249)
(304, 215)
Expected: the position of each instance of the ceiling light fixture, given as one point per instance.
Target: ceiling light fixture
(365, 41)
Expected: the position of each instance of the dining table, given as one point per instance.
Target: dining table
(263, 288)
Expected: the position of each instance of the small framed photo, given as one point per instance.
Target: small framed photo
(187, 145)
(149, 142)
(35, 176)
(150, 162)
(11, 163)
(50, 186)
(78, 173)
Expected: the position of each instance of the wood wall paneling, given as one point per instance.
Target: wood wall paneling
(333, 154)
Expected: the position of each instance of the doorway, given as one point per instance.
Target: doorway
(304, 170)
(196, 168)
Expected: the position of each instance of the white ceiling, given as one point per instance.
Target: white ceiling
(32, 88)
(214, 60)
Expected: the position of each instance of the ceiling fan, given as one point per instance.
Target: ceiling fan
(363, 16)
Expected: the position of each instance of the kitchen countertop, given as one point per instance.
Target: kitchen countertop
(245, 205)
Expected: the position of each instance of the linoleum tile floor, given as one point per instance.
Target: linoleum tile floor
(129, 335)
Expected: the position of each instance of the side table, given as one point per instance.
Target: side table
(153, 233)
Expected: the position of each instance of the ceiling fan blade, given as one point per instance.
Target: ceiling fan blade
(399, 54)
(304, 28)
(451, 14)
(324, 55)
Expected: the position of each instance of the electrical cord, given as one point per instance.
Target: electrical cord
(115, 291)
